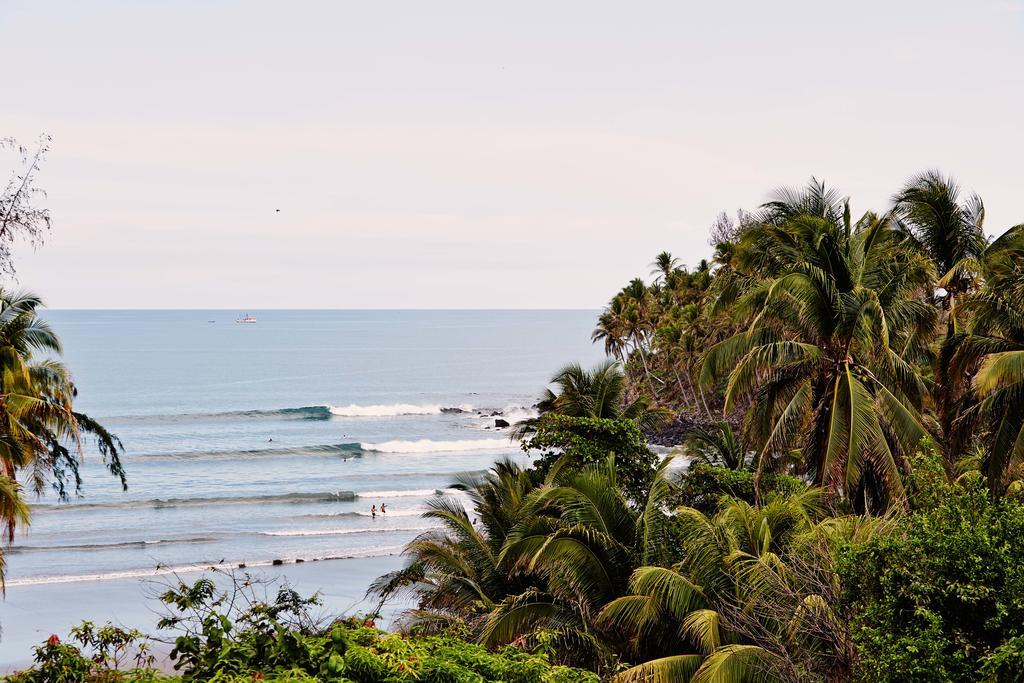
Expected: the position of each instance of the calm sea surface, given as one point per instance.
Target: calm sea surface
(255, 442)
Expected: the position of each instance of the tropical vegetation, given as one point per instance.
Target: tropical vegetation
(41, 434)
(239, 635)
(844, 501)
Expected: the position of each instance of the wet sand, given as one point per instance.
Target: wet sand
(30, 613)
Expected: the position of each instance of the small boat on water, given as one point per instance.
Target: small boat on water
(246, 319)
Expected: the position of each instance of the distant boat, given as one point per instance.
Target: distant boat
(246, 319)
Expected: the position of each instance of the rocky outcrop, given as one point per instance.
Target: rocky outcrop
(675, 432)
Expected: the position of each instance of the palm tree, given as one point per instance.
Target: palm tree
(742, 605)
(580, 543)
(599, 393)
(536, 555)
(611, 330)
(637, 319)
(717, 445)
(948, 231)
(455, 571)
(827, 304)
(664, 265)
(992, 355)
(41, 434)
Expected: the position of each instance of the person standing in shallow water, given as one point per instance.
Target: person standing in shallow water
(373, 511)
(382, 508)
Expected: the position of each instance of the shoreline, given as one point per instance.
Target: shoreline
(31, 612)
(194, 568)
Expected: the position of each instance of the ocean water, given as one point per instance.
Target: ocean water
(249, 443)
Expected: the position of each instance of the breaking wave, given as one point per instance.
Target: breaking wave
(396, 409)
(430, 446)
(326, 497)
(109, 546)
(347, 532)
(319, 412)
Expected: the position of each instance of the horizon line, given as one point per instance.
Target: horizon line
(244, 309)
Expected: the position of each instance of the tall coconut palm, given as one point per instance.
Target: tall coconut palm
(992, 355)
(638, 320)
(664, 265)
(949, 231)
(611, 330)
(817, 359)
(41, 435)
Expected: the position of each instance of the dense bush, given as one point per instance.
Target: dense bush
(942, 596)
(702, 486)
(587, 440)
(350, 652)
(106, 650)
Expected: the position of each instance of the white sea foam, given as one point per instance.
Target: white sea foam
(163, 570)
(393, 410)
(418, 493)
(347, 532)
(415, 511)
(430, 446)
(513, 414)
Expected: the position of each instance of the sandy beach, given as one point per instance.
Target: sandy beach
(31, 613)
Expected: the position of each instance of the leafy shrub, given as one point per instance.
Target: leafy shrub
(702, 486)
(439, 670)
(942, 596)
(589, 440)
(107, 649)
(364, 666)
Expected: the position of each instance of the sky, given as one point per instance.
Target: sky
(253, 155)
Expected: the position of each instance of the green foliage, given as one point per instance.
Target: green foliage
(588, 440)
(599, 392)
(716, 444)
(703, 486)
(744, 603)
(942, 596)
(345, 651)
(107, 649)
(261, 636)
(42, 434)
(929, 485)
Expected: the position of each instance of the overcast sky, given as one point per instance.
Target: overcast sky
(475, 154)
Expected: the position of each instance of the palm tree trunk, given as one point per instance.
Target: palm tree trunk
(682, 389)
(707, 411)
(643, 360)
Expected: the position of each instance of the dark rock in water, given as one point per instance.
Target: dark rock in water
(675, 433)
(299, 560)
(277, 563)
(500, 423)
(241, 565)
(452, 411)
(488, 427)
